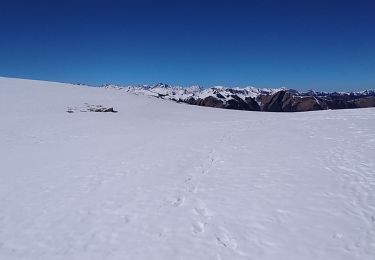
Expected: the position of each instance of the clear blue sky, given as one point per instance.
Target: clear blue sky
(325, 45)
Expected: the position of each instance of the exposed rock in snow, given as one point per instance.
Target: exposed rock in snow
(91, 108)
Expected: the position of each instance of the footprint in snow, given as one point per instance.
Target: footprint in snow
(188, 179)
(198, 227)
(225, 240)
(201, 211)
(178, 202)
(192, 189)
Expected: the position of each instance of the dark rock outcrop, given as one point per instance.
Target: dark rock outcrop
(206, 102)
(363, 102)
(339, 104)
(273, 102)
(102, 109)
(236, 102)
(91, 108)
(211, 102)
(301, 104)
(252, 104)
(285, 101)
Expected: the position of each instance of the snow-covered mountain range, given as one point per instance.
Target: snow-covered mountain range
(176, 93)
(256, 99)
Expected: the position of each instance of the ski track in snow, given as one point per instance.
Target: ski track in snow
(160, 180)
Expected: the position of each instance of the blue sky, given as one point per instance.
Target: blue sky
(325, 45)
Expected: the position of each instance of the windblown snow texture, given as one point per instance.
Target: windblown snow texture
(161, 180)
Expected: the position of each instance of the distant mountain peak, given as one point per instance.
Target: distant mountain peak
(251, 98)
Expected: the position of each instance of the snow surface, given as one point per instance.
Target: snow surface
(161, 180)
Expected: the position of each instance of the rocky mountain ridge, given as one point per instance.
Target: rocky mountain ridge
(256, 99)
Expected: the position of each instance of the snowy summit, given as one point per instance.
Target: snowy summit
(161, 180)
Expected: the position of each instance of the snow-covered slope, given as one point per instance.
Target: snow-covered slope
(161, 180)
